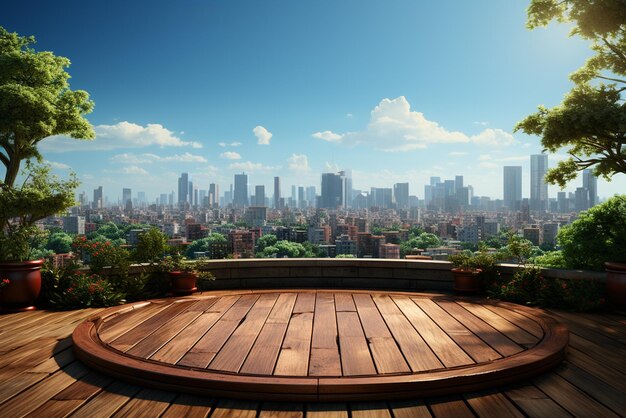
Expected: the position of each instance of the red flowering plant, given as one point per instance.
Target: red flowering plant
(77, 289)
(4, 283)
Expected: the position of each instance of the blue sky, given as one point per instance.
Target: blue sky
(396, 91)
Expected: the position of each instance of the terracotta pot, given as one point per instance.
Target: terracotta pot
(24, 285)
(183, 283)
(616, 285)
(466, 281)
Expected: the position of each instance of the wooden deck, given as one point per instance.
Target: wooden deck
(40, 376)
(321, 345)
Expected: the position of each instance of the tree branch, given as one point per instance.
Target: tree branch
(615, 50)
(611, 79)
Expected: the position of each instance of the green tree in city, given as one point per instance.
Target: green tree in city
(590, 121)
(265, 241)
(151, 246)
(204, 244)
(284, 249)
(423, 241)
(59, 242)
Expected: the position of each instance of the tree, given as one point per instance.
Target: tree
(590, 121)
(598, 235)
(265, 241)
(423, 241)
(151, 246)
(35, 102)
(203, 245)
(284, 249)
(60, 242)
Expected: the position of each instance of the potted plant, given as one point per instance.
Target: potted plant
(183, 273)
(35, 103)
(469, 268)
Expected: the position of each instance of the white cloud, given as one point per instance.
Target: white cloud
(263, 135)
(250, 166)
(129, 158)
(493, 137)
(484, 157)
(299, 163)
(481, 123)
(229, 155)
(229, 144)
(457, 153)
(328, 136)
(57, 165)
(119, 136)
(487, 164)
(394, 127)
(133, 169)
(349, 115)
(331, 167)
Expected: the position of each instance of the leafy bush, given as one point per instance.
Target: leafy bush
(530, 287)
(151, 246)
(69, 288)
(599, 235)
(551, 259)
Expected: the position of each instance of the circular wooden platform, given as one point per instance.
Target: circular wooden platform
(321, 345)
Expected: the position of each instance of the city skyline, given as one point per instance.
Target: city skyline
(379, 94)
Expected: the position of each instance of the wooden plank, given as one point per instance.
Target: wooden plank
(344, 302)
(486, 332)
(122, 323)
(147, 403)
(370, 410)
(356, 359)
(207, 347)
(234, 352)
(492, 404)
(609, 357)
(595, 322)
(416, 352)
(178, 346)
(595, 366)
(386, 353)
(325, 359)
(293, 359)
(189, 406)
(305, 303)
(518, 319)
(281, 410)
(595, 387)
(534, 402)
(128, 340)
(107, 402)
(228, 408)
(72, 397)
(326, 410)
(476, 348)
(264, 352)
(450, 407)
(591, 331)
(38, 394)
(575, 401)
(409, 409)
(444, 347)
(515, 333)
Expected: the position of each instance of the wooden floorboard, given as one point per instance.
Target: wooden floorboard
(44, 379)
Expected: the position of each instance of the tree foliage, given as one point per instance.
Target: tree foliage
(590, 122)
(35, 102)
(202, 245)
(151, 246)
(423, 241)
(599, 235)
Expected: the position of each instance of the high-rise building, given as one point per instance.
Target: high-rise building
(538, 185)
(240, 197)
(190, 193)
(277, 204)
(310, 195)
(183, 188)
(259, 195)
(333, 191)
(381, 197)
(98, 200)
(301, 201)
(74, 225)
(590, 182)
(512, 187)
(126, 197)
(214, 195)
(347, 191)
(401, 195)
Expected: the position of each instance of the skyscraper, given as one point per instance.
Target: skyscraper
(333, 191)
(347, 191)
(538, 186)
(214, 195)
(240, 198)
(512, 187)
(401, 195)
(590, 182)
(259, 195)
(301, 203)
(98, 200)
(183, 188)
(277, 193)
(126, 197)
